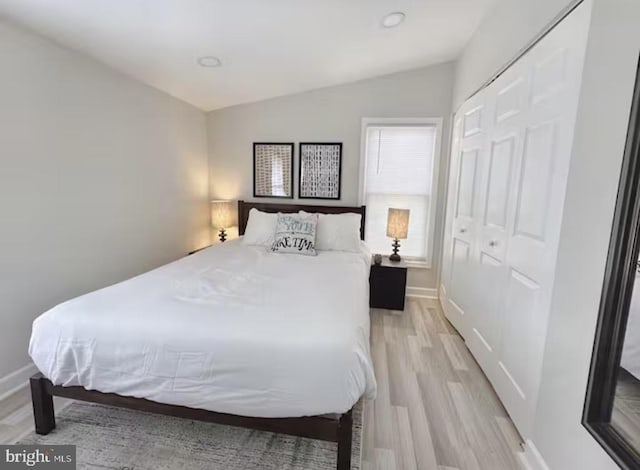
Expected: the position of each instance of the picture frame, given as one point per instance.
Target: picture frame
(320, 170)
(273, 169)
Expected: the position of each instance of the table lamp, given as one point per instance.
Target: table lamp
(397, 228)
(222, 217)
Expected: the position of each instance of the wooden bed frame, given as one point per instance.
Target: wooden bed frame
(333, 427)
(244, 208)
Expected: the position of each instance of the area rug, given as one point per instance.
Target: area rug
(114, 438)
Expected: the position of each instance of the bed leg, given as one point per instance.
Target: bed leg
(344, 441)
(42, 400)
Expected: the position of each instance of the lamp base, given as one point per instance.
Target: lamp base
(396, 246)
(222, 235)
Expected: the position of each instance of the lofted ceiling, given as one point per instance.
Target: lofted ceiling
(267, 48)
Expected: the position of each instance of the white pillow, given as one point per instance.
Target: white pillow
(338, 232)
(260, 229)
(295, 233)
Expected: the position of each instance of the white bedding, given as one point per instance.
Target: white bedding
(631, 346)
(231, 329)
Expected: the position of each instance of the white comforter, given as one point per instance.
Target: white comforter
(631, 346)
(231, 329)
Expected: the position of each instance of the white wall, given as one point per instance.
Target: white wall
(603, 117)
(505, 30)
(101, 178)
(331, 114)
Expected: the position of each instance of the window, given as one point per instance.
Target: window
(399, 170)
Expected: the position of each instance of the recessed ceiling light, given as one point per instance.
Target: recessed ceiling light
(209, 61)
(393, 19)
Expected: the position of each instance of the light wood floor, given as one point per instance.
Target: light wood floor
(16, 415)
(435, 409)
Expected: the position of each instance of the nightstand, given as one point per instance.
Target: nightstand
(387, 284)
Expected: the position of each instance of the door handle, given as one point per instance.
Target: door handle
(463, 230)
(493, 243)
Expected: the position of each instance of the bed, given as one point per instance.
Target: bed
(215, 336)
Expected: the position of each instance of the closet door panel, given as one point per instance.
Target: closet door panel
(535, 180)
(500, 165)
(521, 311)
(447, 245)
(450, 284)
(472, 121)
(491, 272)
(510, 99)
(553, 71)
(467, 174)
(461, 228)
(491, 246)
(504, 98)
(460, 280)
(464, 230)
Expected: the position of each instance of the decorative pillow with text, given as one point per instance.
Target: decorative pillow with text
(295, 233)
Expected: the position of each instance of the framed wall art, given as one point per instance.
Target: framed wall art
(320, 170)
(273, 170)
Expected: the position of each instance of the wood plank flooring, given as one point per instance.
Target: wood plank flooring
(16, 415)
(435, 409)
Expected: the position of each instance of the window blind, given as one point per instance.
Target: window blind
(398, 174)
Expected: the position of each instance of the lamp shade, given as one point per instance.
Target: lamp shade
(223, 214)
(398, 223)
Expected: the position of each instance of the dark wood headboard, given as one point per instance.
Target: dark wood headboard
(244, 208)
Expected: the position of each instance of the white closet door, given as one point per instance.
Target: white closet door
(463, 210)
(515, 138)
(554, 77)
(451, 310)
(506, 98)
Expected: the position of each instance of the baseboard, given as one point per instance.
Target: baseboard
(531, 458)
(16, 380)
(422, 292)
